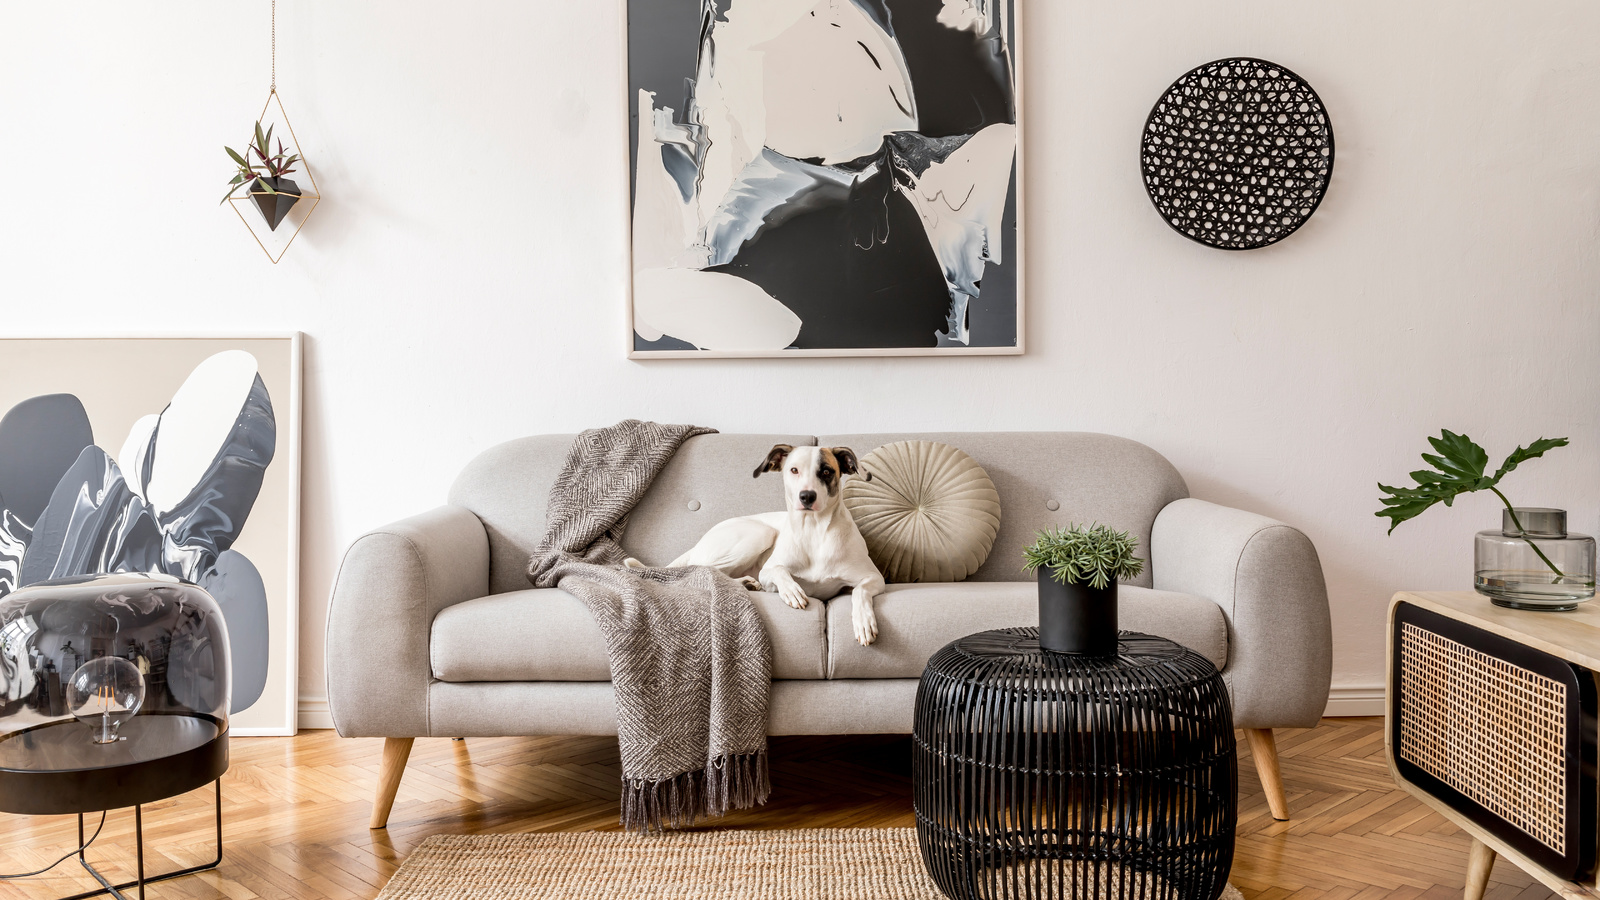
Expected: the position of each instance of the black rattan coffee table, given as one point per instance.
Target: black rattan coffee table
(1041, 774)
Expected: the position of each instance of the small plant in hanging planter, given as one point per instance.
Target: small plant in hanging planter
(265, 173)
(1078, 571)
(1530, 561)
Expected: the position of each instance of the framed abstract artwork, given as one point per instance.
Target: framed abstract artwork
(172, 456)
(825, 178)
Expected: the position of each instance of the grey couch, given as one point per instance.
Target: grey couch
(434, 631)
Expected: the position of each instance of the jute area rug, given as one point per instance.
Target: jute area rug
(801, 864)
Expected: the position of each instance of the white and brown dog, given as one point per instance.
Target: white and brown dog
(810, 550)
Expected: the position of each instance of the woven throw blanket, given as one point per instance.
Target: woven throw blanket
(690, 660)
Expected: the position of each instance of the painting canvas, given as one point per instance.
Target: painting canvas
(174, 456)
(824, 177)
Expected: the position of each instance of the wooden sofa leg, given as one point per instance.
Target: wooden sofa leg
(1265, 751)
(395, 753)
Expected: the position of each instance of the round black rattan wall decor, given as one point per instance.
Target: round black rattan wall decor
(1237, 153)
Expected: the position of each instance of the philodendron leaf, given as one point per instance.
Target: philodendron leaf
(1523, 454)
(1459, 464)
(1459, 456)
(236, 157)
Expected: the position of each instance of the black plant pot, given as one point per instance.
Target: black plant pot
(1076, 618)
(274, 207)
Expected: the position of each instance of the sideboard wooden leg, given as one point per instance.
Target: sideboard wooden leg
(1480, 862)
(395, 753)
(1265, 751)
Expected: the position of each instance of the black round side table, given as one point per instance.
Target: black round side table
(1042, 774)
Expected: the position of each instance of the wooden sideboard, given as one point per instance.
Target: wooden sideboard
(1483, 707)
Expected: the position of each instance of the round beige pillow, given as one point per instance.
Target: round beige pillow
(930, 513)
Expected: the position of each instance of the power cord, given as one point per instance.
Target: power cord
(63, 859)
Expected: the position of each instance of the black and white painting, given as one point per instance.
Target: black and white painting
(149, 455)
(824, 177)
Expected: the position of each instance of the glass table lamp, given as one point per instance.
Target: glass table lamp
(114, 691)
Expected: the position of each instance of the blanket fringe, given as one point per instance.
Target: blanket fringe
(727, 782)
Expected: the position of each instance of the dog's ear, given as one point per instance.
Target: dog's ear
(848, 464)
(774, 460)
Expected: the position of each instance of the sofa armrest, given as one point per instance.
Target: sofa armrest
(391, 584)
(1266, 577)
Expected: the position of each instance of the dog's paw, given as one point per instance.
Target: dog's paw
(750, 584)
(793, 595)
(865, 622)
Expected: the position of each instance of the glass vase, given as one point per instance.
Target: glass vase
(1531, 562)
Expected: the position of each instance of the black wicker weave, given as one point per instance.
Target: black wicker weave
(1047, 775)
(1237, 153)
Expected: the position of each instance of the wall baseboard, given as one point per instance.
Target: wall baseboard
(1348, 700)
(314, 714)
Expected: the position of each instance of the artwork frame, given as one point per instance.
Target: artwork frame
(263, 547)
(1013, 240)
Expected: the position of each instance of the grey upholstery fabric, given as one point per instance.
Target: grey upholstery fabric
(508, 486)
(1267, 580)
(1091, 478)
(587, 707)
(884, 706)
(548, 635)
(916, 620)
(391, 584)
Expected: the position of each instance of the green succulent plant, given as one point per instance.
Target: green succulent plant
(1096, 555)
(269, 164)
(1458, 468)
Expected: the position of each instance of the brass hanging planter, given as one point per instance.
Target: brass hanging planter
(271, 205)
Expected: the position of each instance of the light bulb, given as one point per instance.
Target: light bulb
(103, 694)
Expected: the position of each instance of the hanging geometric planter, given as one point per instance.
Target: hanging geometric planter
(270, 203)
(275, 208)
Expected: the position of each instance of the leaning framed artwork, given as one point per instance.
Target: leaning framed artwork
(825, 178)
(175, 456)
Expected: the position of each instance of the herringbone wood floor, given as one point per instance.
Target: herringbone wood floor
(295, 814)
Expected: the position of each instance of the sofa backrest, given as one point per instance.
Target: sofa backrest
(1087, 477)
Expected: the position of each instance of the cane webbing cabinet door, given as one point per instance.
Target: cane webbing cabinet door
(1491, 719)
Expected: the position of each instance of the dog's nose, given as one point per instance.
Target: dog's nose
(808, 497)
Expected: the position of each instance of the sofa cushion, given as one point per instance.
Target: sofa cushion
(916, 620)
(927, 512)
(548, 635)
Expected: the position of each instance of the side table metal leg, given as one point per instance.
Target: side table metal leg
(138, 843)
(1480, 862)
(115, 890)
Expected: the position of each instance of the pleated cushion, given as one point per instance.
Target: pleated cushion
(930, 513)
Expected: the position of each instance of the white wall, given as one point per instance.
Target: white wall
(463, 282)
